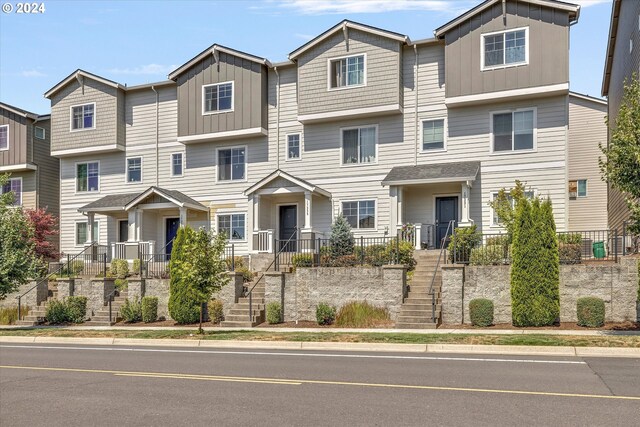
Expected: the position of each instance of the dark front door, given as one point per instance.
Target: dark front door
(288, 223)
(446, 210)
(171, 229)
(123, 231)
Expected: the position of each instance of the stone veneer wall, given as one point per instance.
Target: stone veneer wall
(300, 292)
(31, 299)
(616, 284)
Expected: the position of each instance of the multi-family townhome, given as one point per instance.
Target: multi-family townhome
(623, 59)
(359, 121)
(25, 156)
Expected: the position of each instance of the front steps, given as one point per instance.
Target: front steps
(37, 314)
(238, 316)
(416, 311)
(101, 317)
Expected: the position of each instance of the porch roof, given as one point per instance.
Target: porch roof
(124, 202)
(431, 174)
(306, 185)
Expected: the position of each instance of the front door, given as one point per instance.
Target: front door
(171, 229)
(123, 230)
(287, 227)
(446, 210)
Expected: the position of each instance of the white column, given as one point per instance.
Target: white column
(465, 218)
(183, 217)
(393, 214)
(139, 221)
(133, 216)
(90, 220)
(256, 212)
(400, 206)
(308, 204)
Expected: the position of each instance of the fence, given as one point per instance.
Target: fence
(630, 241)
(156, 266)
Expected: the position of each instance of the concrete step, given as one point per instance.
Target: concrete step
(243, 300)
(25, 323)
(234, 324)
(409, 312)
(241, 318)
(403, 325)
(104, 318)
(243, 311)
(99, 323)
(414, 319)
(245, 306)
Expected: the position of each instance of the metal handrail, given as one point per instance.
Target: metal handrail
(435, 272)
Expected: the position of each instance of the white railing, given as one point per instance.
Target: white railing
(132, 250)
(265, 240)
(417, 234)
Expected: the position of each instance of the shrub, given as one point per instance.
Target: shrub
(247, 275)
(590, 312)
(488, 255)
(341, 239)
(402, 252)
(570, 253)
(76, 309)
(237, 262)
(344, 261)
(376, 255)
(120, 268)
(463, 240)
(216, 311)
(56, 312)
(9, 315)
(121, 284)
(361, 314)
(481, 312)
(502, 240)
(74, 268)
(183, 308)
(302, 260)
(274, 313)
(149, 308)
(136, 267)
(570, 238)
(131, 311)
(325, 314)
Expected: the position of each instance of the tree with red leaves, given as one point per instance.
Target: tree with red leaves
(45, 226)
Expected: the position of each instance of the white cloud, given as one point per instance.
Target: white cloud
(32, 73)
(151, 69)
(319, 7)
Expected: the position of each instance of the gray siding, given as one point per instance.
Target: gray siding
(249, 96)
(18, 152)
(548, 50)
(48, 173)
(383, 62)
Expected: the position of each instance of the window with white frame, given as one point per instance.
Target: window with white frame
(14, 185)
(83, 117)
(134, 169)
(433, 134)
(496, 220)
(345, 72)
(359, 145)
(505, 48)
(293, 146)
(360, 214)
(233, 225)
(176, 164)
(582, 188)
(217, 97)
(513, 130)
(87, 176)
(39, 132)
(232, 164)
(82, 230)
(4, 137)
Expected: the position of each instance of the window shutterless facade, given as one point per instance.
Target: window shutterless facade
(233, 225)
(39, 132)
(582, 188)
(87, 177)
(134, 169)
(81, 232)
(217, 98)
(232, 164)
(505, 48)
(293, 146)
(176, 164)
(4, 137)
(360, 214)
(347, 72)
(83, 117)
(14, 185)
(513, 130)
(359, 145)
(433, 135)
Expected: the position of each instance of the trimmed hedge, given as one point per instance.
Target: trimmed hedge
(56, 312)
(274, 313)
(570, 253)
(131, 311)
(325, 314)
(302, 260)
(136, 267)
(481, 312)
(119, 268)
(488, 255)
(590, 312)
(183, 308)
(216, 311)
(149, 307)
(76, 309)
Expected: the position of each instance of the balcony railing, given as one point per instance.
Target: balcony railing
(132, 250)
(263, 240)
(421, 236)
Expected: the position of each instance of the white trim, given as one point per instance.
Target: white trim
(346, 114)
(75, 175)
(223, 135)
(207, 113)
(347, 86)
(513, 138)
(164, 227)
(588, 98)
(118, 221)
(452, 179)
(94, 122)
(246, 164)
(75, 231)
(435, 211)
(277, 226)
(504, 50)
(279, 173)
(293, 159)
(84, 74)
(8, 145)
(586, 188)
(230, 214)
(288, 124)
(445, 135)
(87, 150)
(492, 197)
(549, 90)
(126, 170)
(524, 167)
(342, 164)
(375, 213)
(18, 112)
(35, 132)
(171, 174)
(158, 191)
(21, 166)
(18, 178)
(232, 52)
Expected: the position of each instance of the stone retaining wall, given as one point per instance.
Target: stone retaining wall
(31, 299)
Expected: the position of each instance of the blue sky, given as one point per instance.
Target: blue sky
(136, 42)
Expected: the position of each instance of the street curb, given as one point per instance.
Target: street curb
(337, 346)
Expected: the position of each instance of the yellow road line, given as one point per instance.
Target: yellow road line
(286, 381)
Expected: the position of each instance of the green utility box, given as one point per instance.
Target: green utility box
(598, 250)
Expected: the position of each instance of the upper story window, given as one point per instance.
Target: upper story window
(505, 48)
(433, 135)
(217, 98)
(347, 72)
(293, 146)
(359, 145)
(87, 176)
(134, 169)
(4, 137)
(513, 130)
(39, 132)
(232, 164)
(14, 185)
(233, 225)
(176, 164)
(360, 214)
(83, 117)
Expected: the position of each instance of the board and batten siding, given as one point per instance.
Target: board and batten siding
(587, 129)
(548, 50)
(18, 152)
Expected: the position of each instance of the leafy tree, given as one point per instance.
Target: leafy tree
(341, 239)
(621, 165)
(504, 205)
(44, 228)
(182, 308)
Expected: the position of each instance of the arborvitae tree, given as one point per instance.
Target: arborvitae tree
(183, 308)
(341, 239)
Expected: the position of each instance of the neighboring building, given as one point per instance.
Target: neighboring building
(25, 155)
(359, 121)
(623, 59)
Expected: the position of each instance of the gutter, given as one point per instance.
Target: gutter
(415, 85)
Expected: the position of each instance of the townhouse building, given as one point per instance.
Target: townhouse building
(359, 121)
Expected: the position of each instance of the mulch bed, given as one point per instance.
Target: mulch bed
(310, 324)
(609, 326)
(166, 323)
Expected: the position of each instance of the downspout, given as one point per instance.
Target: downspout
(275, 70)
(416, 128)
(157, 133)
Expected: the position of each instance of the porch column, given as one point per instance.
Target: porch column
(183, 216)
(139, 220)
(308, 204)
(256, 212)
(132, 226)
(465, 217)
(90, 220)
(400, 213)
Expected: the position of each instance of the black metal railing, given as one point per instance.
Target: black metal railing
(630, 241)
(443, 250)
(155, 266)
(229, 255)
(577, 246)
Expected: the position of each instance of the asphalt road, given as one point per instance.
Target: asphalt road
(94, 385)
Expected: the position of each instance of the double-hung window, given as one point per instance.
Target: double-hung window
(233, 225)
(513, 130)
(83, 117)
(176, 164)
(505, 48)
(82, 230)
(360, 214)
(359, 145)
(217, 98)
(497, 221)
(14, 185)
(134, 169)
(4, 137)
(87, 176)
(293, 146)
(232, 164)
(433, 135)
(346, 72)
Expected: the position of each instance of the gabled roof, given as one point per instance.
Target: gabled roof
(573, 9)
(18, 111)
(611, 45)
(294, 180)
(124, 202)
(430, 174)
(82, 73)
(588, 98)
(341, 27)
(210, 51)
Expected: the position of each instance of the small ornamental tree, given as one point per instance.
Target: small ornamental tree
(341, 240)
(182, 308)
(504, 205)
(45, 227)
